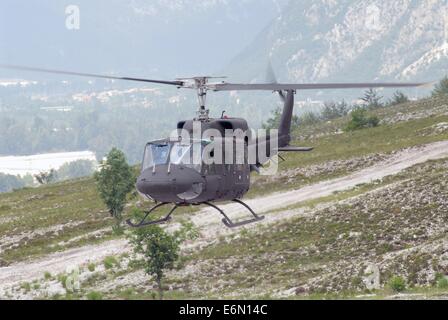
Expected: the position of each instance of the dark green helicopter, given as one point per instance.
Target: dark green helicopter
(174, 170)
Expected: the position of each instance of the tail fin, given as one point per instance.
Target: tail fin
(284, 129)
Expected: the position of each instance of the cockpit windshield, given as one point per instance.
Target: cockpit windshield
(187, 154)
(155, 154)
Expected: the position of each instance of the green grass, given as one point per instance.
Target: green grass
(268, 256)
(110, 262)
(383, 139)
(94, 295)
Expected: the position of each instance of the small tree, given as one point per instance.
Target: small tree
(398, 98)
(360, 119)
(372, 99)
(334, 110)
(9, 182)
(76, 169)
(309, 118)
(441, 89)
(274, 121)
(46, 177)
(158, 250)
(397, 284)
(114, 181)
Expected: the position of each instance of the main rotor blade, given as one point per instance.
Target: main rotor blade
(90, 75)
(308, 86)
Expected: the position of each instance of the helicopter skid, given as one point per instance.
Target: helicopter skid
(229, 223)
(142, 223)
(226, 220)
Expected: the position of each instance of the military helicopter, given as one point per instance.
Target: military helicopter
(173, 173)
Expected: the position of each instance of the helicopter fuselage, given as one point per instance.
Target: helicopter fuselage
(171, 173)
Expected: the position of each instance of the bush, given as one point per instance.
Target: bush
(47, 177)
(442, 283)
(397, 284)
(334, 110)
(309, 118)
(9, 182)
(109, 262)
(372, 99)
(76, 169)
(398, 98)
(91, 267)
(114, 181)
(360, 119)
(62, 278)
(274, 121)
(159, 251)
(94, 295)
(441, 89)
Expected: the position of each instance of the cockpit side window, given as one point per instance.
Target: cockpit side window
(155, 154)
(189, 155)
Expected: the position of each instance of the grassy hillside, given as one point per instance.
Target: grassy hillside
(397, 224)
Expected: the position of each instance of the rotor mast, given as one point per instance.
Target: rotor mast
(201, 85)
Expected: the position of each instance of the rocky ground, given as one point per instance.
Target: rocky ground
(395, 227)
(363, 214)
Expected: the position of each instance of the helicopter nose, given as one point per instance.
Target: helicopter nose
(170, 184)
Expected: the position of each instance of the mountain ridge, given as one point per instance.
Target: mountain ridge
(317, 41)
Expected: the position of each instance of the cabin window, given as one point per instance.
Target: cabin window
(189, 155)
(155, 154)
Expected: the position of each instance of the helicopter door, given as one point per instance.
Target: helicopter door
(241, 167)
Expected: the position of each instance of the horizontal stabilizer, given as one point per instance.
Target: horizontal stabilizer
(295, 149)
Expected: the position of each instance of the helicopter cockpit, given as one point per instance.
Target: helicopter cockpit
(187, 154)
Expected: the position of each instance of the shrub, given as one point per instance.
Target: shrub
(372, 99)
(114, 181)
(309, 118)
(109, 262)
(398, 98)
(47, 275)
(334, 110)
(63, 280)
(25, 286)
(94, 295)
(397, 284)
(76, 169)
(274, 121)
(159, 251)
(91, 267)
(9, 183)
(46, 177)
(442, 283)
(360, 119)
(441, 89)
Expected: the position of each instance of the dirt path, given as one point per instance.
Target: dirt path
(209, 221)
(398, 162)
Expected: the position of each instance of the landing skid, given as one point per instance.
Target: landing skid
(142, 223)
(226, 220)
(229, 223)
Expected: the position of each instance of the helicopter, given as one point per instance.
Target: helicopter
(174, 171)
